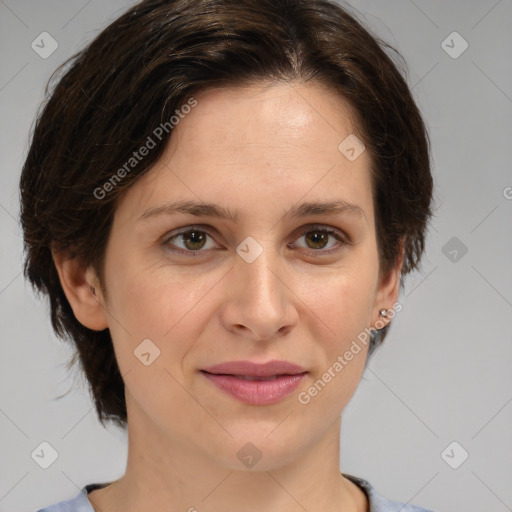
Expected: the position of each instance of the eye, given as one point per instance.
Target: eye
(317, 238)
(194, 240)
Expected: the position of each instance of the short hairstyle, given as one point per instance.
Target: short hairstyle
(147, 65)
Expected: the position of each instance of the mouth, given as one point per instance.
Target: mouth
(256, 384)
(252, 377)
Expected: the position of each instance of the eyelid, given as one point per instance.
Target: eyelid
(342, 237)
(345, 238)
(186, 229)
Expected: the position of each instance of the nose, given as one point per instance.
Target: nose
(260, 300)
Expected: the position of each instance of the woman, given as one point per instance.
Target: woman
(221, 200)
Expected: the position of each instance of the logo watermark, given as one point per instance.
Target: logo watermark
(137, 156)
(304, 397)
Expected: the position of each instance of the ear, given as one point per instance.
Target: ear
(388, 290)
(88, 306)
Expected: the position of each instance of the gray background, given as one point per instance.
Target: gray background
(444, 373)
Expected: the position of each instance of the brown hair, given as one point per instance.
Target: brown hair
(147, 64)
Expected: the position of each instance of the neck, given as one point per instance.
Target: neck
(165, 474)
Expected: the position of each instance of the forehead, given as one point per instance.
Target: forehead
(279, 114)
(261, 141)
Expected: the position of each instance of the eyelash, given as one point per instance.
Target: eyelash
(338, 235)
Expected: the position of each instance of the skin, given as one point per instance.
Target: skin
(259, 150)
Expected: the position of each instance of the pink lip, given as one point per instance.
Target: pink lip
(251, 369)
(229, 378)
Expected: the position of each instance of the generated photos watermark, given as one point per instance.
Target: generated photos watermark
(144, 150)
(304, 397)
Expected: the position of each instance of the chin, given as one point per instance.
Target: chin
(257, 450)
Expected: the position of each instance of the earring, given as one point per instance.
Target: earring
(383, 312)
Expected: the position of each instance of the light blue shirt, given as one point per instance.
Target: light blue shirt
(377, 503)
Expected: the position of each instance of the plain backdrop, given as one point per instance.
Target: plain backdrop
(440, 389)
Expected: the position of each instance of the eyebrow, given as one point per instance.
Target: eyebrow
(202, 209)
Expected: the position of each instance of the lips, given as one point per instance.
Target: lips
(256, 384)
(251, 369)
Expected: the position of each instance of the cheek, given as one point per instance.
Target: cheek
(343, 302)
(159, 303)
(341, 315)
(149, 299)
(342, 306)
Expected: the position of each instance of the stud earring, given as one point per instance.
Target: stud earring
(383, 312)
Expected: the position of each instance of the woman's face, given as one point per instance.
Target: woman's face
(269, 286)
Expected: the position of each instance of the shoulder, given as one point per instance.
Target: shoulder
(380, 504)
(79, 503)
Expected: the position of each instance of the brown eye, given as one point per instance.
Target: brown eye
(317, 238)
(193, 241)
